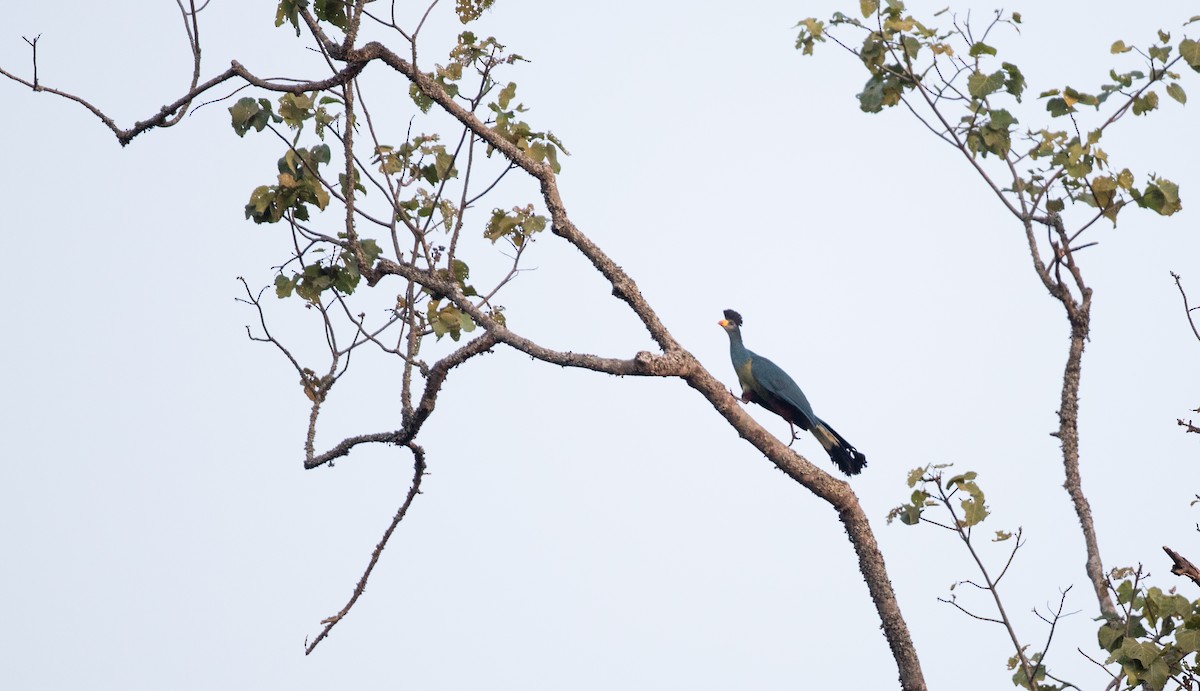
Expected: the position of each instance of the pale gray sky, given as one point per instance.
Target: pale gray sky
(577, 531)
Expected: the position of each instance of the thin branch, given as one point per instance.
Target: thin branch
(1187, 309)
(124, 136)
(408, 432)
(413, 490)
(969, 613)
(33, 45)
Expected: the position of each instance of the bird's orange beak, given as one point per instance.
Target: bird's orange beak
(723, 323)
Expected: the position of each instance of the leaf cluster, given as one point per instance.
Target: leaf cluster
(1158, 638)
(958, 66)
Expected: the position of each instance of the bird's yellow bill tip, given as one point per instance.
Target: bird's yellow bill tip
(723, 323)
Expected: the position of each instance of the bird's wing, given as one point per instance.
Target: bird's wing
(776, 383)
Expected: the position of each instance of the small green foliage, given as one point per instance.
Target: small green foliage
(289, 11)
(1145, 103)
(1120, 47)
(1014, 83)
(1189, 50)
(249, 113)
(1160, 195)
(296, 108)
(993, 135)
(881, 90)
(540, 146)
(910, 512)
(506, 95)
(340, 274)
(298, 185)
(424, 103)
(1104, 195)
(981, 85)
(448, 320)
(344, 183)
(1155, 638)
(974, 508)
(812, 31)
(1021, 679)
(332, 11)
(980, 48)
(470, 10)
(1160, 53)
(518, 226)
(1176, 92)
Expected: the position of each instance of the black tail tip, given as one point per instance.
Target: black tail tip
(848, 459)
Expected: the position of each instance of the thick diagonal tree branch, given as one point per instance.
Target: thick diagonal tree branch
(1182, 566)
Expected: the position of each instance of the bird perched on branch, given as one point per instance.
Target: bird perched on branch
(764, 383)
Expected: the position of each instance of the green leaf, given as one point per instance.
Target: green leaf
(423, 102)
(250, 113)
(879, 91)
(813, 31)
(1189, 50)
(1161, 195)
(321, 153)
(284, 286)
(461, 271)
(1055, 205)
(868, 7)
(1145, 104)
(470, 10)
(1110, 637)
(974, 507)
(296, 108)
(506, 95)
(1119, 47)
(371, 249)
(980, 48)
(1160, 53)
(466, 323)
(1058, 107)
(332, 11)
(1015, 83)
(444, 165)
(980, 85)
(1176, 92)
(1143, 651)
(1188, 641)
(289, 11)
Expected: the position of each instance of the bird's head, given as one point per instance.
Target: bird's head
(731, 322)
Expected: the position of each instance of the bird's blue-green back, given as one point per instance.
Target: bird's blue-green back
(766, 379)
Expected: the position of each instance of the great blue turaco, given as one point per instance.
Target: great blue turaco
(764, 383)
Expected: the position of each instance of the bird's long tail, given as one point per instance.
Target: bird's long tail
(850, 460)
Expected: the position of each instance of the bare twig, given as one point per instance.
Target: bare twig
(413, 490)
(33, 45)
(1187, 309)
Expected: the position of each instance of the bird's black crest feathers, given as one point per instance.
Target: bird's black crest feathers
(733, 317)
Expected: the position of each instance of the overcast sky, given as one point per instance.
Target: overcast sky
(576, 531)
